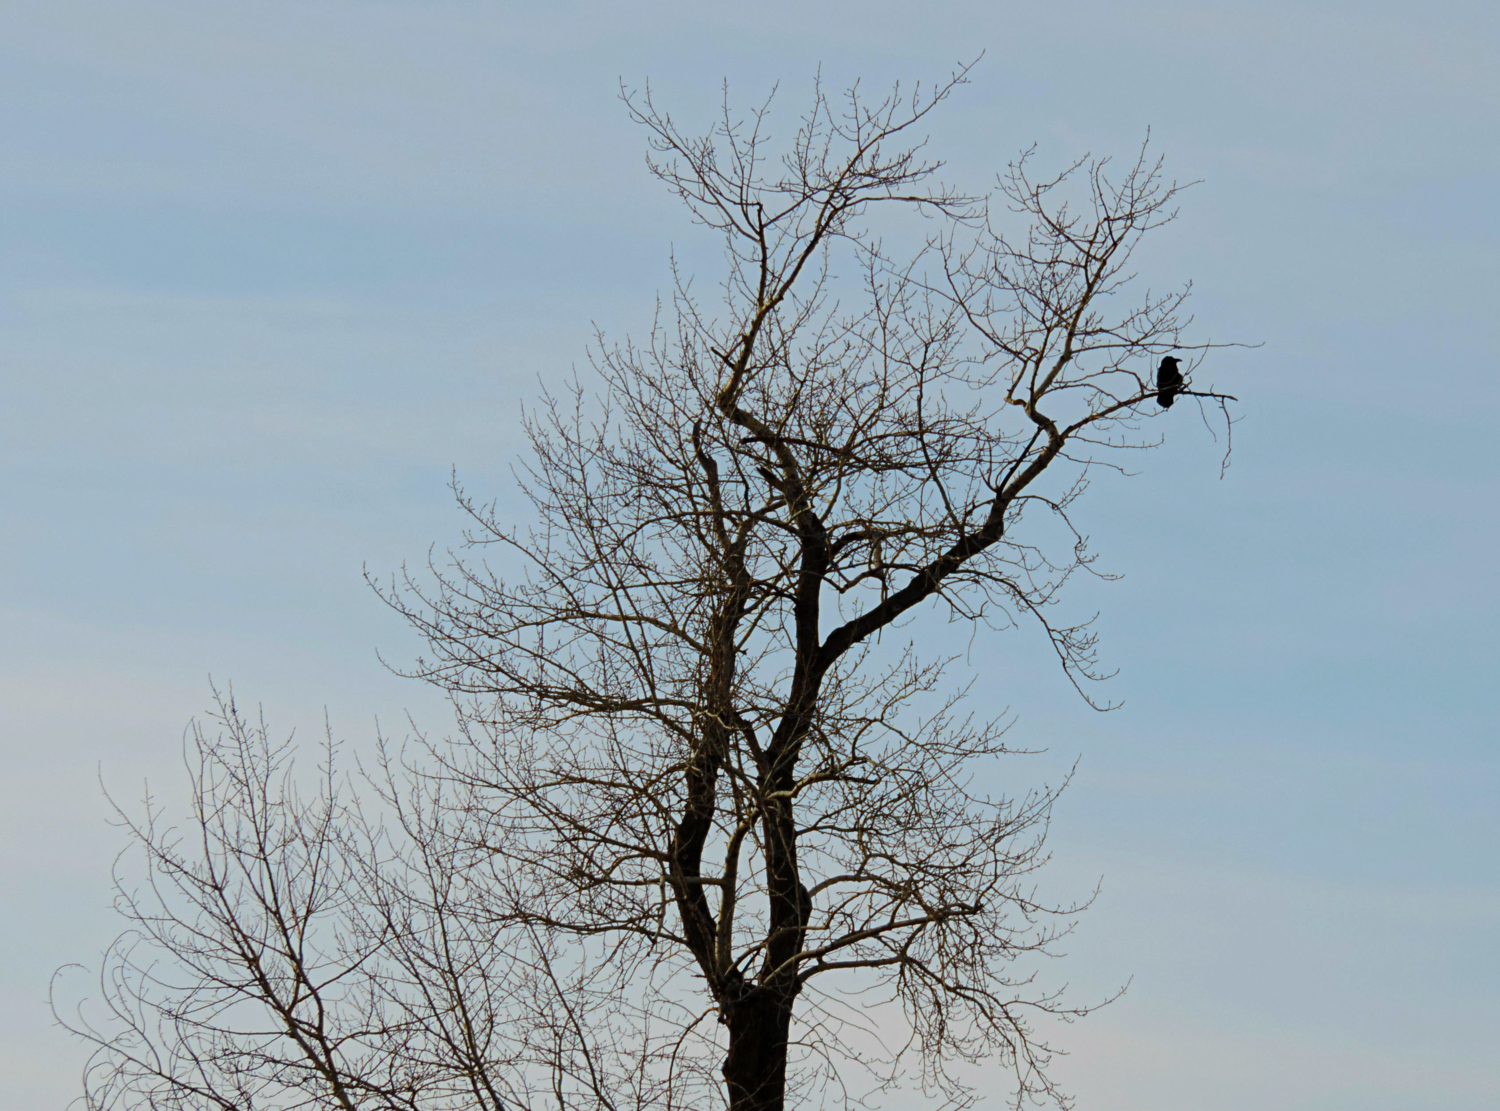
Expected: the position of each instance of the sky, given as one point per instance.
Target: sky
(271, 273)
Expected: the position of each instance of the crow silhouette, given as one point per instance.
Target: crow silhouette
(1168, 382)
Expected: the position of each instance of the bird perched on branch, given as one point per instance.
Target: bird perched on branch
(1168, 382)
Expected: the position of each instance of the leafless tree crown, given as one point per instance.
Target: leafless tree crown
(710, 832)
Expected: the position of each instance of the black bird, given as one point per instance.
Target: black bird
(1168, 382)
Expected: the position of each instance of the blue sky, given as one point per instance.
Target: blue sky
(269, 272)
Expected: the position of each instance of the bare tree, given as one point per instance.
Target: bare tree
(708, 804)
(285, 953)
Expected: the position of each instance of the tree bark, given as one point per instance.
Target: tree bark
(755, 1067)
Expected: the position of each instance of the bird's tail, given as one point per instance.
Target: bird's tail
(1164, 399)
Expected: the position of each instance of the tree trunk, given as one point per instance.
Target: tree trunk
(755, 1067)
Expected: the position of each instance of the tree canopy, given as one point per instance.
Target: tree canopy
(708, 830)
